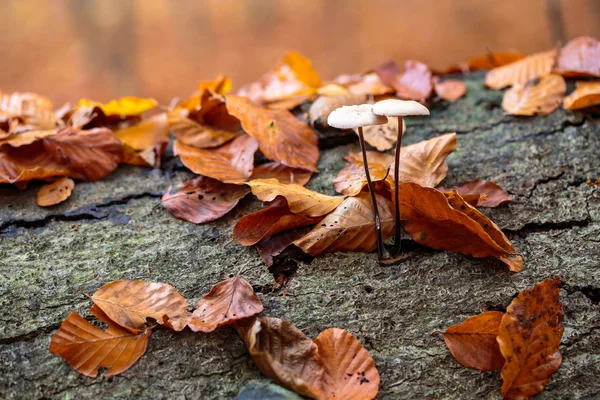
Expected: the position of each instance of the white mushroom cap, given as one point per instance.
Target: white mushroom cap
(349, 117)
(399, 108)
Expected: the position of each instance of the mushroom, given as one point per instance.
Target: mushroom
(398, 108)
(350, 117)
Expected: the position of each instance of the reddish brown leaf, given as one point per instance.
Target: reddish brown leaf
(323, 106)
(130, 303)
(202, 199)
(273, 245)
(529, 339)
(449, 89)
(493, 60)
(27, 163)
(415, 82)
(55, 192)
(473, 342)
(538, 97)
(491, 194)
(282, 173)
(350, 371)
(522, 71)
(579, 57)
(587, 94)
(281, 136)
(227, 302)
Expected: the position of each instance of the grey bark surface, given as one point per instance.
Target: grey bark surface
(116, 229)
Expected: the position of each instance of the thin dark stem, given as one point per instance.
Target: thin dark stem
(397, 248)
(380, 246)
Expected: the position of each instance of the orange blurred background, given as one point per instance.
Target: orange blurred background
(102, 49)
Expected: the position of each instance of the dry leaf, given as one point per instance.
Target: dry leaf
(130, 303)
(252, 228)
(282, 173)
(324, 105)
(374, 157)
(537, 97)
(522, 71)
(146, 134)
(490, 194)
(415, 82)
(281, 136)
(352, 178)
(368, 85)
(579, 57)
(202, 199)
(27, 163)
(493, 60)
(124, 106)
(87, 348)
(222, 85)
(529, 339)
(350, 371)
(290, 103)
(449, 89)
(227, 302)
(332, 90)
(300, 200)
(27, 111)
(55, 192)
(27, 137)
(587, 94)
(273, 245)
(351, 227)
(473, 342)
(383, 137)
(231, 162)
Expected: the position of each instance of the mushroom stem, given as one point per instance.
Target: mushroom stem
(397, 248)
(380, 246)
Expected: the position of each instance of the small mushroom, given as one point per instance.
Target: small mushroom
(351, 117)
(398, 108)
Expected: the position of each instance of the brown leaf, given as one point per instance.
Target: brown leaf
(252, 228)
(282, 173)
(28, 111)
(231, 162)
(579, 57)
(202, 199)
(491, 194)
(273, 245)
(522, 71)
(350, 371)
(285, 354)
(473, 342)
(323, 106)
(227, 302)
(587, 94)
(130, 303)
(536, 97)
(27, 163)
(415, 82)
(449, 89)
(352, 178)
(351, 227)
(529, 339)
(368, 84)
(451, 224)
(27, 137)
(146, 134)
(290, 103)
(87, 348)
(383, 137)
(281, 136)
(55, 192)
(493, 60)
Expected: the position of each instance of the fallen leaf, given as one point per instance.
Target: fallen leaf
(194, 134)
(130, 303)
(493, 60)
(529, 339)
(352, 178)
(146, 134)
(86, 348)
(282, 173)
(231, 162)
(373, 157)
(29, 162)
(55, 192)
(388, 72)
(252, 228)
(586, 94)
(273, 245)
(227, 302)
(202, 199)
(383, 137)
(522, 71)
(449, 89)
(332, 90)
(27, 111)
(473, 342)
(537, 97)
(26, 137)
(324, 105)
(579, 57)
(281, 136)
(124, 106)
(300, 200)
(369, 85)
(351, 227)
(221, 85)
(415, 82)
(491, 194)
(290, 103)
(350, 371)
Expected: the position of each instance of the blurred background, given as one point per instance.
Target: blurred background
(102, 49)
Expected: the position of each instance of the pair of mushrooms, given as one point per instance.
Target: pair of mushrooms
(352, 117)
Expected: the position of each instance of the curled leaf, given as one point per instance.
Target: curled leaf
(522, 71)
(587, 94)
(538, 97)
(579, 57)
(282, 173)
(55, 192)
(490, 193)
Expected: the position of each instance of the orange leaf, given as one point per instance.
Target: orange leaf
(202, 199)
(535, 97)
(586, 94)
(146, 134)
(368, 84)
(449, 89)
(522, 71)
(493, 60)
(27, 137)
(281, 136)
(130, 303)
(491, 194)
(415, 82)
(323, 106)
(221, 85)
(473, 342)
(579, 57)
(300, 200)
(350, 371)
(55, 192)
(231, 162)
(282, 173)
(529, 339)
(87, 348)
(227, 302)
(351, 227)
(290, 103)
(352, 178)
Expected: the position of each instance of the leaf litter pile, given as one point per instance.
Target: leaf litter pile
(262, 140)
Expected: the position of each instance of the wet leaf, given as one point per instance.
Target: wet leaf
(227, 302)
(324, 105)
(350, 371)
(55, 192)
(536, 97)
(282, 173)
(473, 342)
(579, 57)
(281, 136)
(587, 94)
(491, 194)
(130, 303)
(202, 199)
(529, 339)
(352, 178)
(522, 71)
(449, 89)
(415, 82)
(125, 106)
